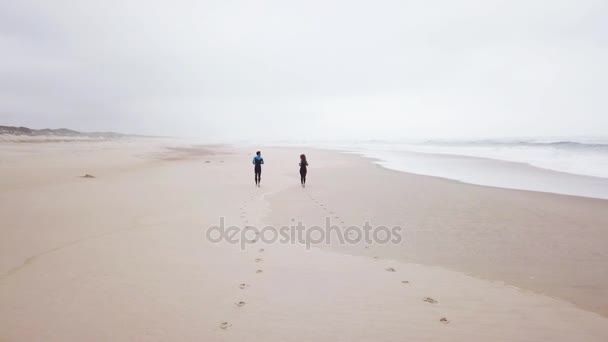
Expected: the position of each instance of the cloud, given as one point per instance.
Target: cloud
(316, 69)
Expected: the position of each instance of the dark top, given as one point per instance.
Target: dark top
(258, 161)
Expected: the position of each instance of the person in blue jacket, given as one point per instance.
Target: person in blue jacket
(258, 161)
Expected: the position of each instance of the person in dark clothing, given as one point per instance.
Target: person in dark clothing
(257, 169)
(303, 169)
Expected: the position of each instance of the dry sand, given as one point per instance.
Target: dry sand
(123, 256)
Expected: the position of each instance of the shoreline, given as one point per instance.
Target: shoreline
(530, 176)
(524, 201)
(378, 162)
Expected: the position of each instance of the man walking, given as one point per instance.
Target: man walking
(258, 161)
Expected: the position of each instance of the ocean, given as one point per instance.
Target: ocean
(563, 166)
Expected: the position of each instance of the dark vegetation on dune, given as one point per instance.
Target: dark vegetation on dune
(62, 132)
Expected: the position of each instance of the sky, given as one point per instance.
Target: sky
(230, 70)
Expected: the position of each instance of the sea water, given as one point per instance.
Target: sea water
(571, 167)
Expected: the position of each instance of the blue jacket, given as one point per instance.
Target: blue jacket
(257, 160)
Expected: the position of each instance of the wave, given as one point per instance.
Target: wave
(523, 143)
(576, 157)
(584, 156)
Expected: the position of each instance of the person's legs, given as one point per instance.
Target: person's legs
(258, 175)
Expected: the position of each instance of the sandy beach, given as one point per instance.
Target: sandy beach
(123, 255)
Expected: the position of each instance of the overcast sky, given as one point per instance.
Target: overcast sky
(307, 69)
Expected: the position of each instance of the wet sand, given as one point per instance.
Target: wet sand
(547, 243)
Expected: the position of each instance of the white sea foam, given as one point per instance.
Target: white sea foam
(582, 158)
(561, 166)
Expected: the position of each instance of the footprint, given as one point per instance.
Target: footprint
(390, 269)
(430, 300)
(259, 271)
(239, 304)
(225, 325)
(258, 259)
(405, 282)
(261, 250)
(243, 286)
(444, 320)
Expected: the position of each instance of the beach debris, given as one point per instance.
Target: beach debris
(405, 282)
(225, 325)
(259, 271)
(87, 175)
(239, 304)
(430, 300)
(207, 161)
(390, 269)
(444, 320)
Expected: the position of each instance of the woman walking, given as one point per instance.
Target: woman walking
(303, 170)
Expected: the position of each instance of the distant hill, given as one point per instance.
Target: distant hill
(60, 132)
